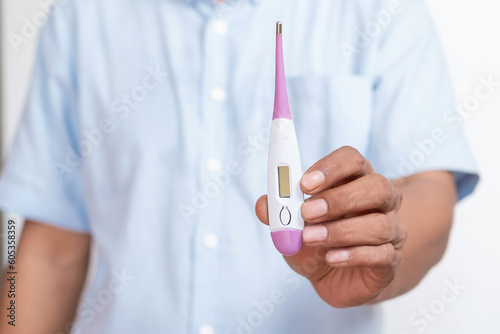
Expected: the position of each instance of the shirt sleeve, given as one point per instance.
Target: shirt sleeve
(42, 176)
(416, 125)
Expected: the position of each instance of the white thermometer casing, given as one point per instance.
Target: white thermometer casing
(285, 218)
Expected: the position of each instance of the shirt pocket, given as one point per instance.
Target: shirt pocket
(329, 112)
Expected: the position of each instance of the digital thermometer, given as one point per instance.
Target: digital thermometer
(284, 197)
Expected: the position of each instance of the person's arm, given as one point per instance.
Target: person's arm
(427, 212)
(51, 266)
(368, 239)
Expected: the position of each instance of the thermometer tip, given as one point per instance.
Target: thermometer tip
(278, 27)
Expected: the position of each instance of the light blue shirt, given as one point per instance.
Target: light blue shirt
(147, 122)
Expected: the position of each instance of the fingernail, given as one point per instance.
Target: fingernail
(337, 256)
(314, 208)
(314, 233)
(313, 180)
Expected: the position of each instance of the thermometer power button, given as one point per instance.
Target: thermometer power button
(285, 216)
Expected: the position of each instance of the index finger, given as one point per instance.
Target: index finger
(339, 167)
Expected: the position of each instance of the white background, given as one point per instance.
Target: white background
(470, 32)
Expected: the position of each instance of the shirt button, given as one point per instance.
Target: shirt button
(214, 165)
(218, 94)
(206, 329)
(220, 27)
(210, 240)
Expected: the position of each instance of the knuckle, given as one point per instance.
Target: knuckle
(348, 149)
(390, 253)
(359, 163)
(357, 159)
(351, 151)
(384, 228)
(383, 187)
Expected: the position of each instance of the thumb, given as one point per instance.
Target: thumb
(261, 209)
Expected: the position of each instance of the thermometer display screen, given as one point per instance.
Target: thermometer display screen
(284, 181)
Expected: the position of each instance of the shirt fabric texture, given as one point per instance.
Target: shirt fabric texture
(147, 123)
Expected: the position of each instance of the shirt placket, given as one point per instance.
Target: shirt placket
(212, 141)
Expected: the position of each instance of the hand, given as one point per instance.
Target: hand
(353, 237)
